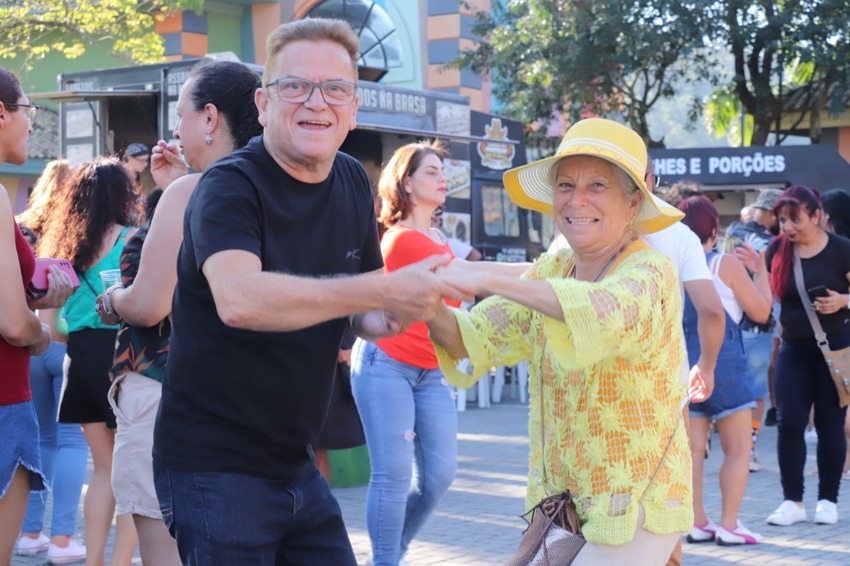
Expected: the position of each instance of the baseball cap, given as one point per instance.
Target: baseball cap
(767, 198)
(136, 149)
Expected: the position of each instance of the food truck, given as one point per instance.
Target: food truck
(102, 111)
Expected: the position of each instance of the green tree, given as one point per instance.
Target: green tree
(779, 47)
(552, 59)
(32, 28)
(564, 59)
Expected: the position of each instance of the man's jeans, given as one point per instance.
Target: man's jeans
(230, 518)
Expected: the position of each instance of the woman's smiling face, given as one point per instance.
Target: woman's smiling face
(590, 204)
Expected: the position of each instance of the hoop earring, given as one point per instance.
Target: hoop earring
(208, 140)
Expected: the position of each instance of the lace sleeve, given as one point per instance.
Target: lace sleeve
(495, 333)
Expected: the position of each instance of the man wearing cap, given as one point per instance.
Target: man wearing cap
(136, 159)
(758, 338)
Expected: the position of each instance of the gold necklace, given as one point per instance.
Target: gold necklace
(605, 267)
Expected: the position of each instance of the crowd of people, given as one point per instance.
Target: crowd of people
(199, 382)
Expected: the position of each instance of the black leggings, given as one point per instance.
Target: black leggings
(802, 378)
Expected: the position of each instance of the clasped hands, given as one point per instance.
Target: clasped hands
(416, 292)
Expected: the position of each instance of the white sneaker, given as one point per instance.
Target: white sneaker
(706, 533)
(811, 436)
(787, 514)
(826, 513)
(741, 535)
(31, 546)
(74, 552)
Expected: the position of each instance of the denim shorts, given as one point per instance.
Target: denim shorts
(759, 349)
(19, 446)
(733, 383)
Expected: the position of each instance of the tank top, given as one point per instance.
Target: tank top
(79, 311)
(142, 350)
(14, 360)
(727, 295)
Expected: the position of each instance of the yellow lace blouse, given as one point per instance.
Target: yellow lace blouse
(608, 382)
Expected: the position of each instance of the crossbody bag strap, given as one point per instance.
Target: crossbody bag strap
(820, 335)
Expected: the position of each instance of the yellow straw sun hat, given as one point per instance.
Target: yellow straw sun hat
(532, 186)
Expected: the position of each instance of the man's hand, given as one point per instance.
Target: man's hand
(416, 290)
(167, 163)
(59, 288)
(700, 384)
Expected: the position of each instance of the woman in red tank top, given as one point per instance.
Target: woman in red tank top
(404, 401)
(21, 333)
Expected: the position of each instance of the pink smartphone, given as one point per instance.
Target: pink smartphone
(38, 286)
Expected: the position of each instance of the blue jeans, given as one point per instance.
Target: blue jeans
(759, 349)
(229, 518)
(63, 448)
(802, 379)
(410, 422)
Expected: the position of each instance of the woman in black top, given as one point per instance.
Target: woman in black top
(802, 377)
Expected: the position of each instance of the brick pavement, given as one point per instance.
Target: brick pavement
(478, 523)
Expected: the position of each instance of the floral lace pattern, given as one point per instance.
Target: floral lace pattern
(605, 390)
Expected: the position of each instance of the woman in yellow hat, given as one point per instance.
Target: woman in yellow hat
(600, 325)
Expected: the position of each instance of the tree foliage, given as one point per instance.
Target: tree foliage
(561, 60)
(32, 28)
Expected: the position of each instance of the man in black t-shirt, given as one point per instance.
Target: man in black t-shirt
(280, 245)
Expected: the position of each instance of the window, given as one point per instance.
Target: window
(380, 46)
(501, 215)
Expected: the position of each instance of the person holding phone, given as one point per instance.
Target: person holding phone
(22, 334)
(802, 376)
(89, 225)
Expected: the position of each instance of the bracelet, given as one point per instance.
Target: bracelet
(107, 301)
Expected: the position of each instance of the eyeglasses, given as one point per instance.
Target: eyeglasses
(654, 177)
(296, 91)
(31, 109)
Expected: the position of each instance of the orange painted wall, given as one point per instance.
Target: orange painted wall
(266, 18)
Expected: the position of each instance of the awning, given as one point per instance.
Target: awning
(87, 95)
(430, 134)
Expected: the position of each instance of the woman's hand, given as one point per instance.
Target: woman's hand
(831, 304)
(167, 163)
(105, 317)
(43, 342)
(59, 288)
(466, 277)
(752, 260)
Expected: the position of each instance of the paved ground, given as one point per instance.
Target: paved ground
(478, 521)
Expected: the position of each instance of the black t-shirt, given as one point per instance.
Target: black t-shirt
(829, 268)
(245, 401)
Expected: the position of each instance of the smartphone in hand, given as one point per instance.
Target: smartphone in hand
(817, 292)
(39, 284)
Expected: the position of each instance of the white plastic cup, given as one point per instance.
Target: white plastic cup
(110, 277)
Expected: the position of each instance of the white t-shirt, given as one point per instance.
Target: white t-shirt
(682, 246)
(460, 248)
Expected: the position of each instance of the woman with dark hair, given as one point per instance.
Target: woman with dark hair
(404, 401)
(63, 448)
(802, 376)
(836, 215)
(21, 333)
(89, 225)
(733, 396)
(216, 114)
(836, 211)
